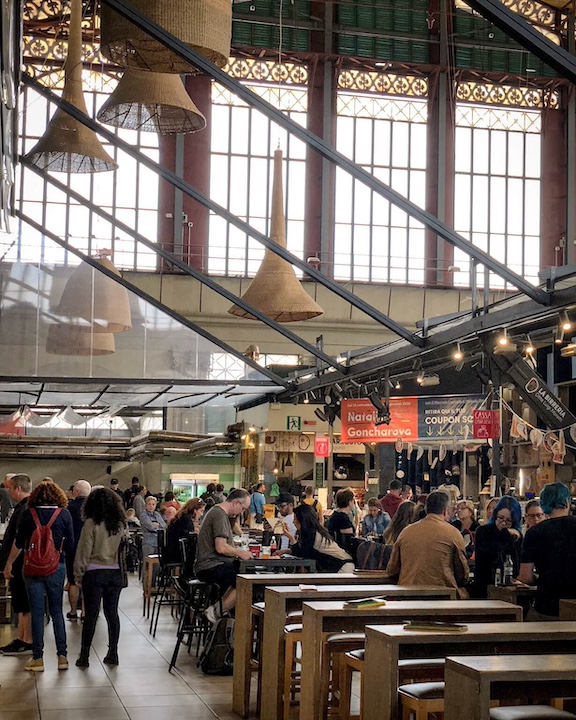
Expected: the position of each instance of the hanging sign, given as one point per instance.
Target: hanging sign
(412, 418)
(322, 447)
(486, 424)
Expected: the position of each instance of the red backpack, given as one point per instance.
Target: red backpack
(42, 556)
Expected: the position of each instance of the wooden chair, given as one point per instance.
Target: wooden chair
(421, 699)
(530, 712)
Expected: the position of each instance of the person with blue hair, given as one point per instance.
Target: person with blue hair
(549, 553)
(499, 538)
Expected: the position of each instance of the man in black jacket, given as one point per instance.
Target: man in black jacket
(82, 489)
(19, 487)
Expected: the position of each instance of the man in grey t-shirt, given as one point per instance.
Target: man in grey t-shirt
(216, 553)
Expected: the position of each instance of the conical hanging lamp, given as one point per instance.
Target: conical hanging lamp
(205, 25)
(97, 299)
(275, 290)
(71, 340)
(155, 102)
(67, 145)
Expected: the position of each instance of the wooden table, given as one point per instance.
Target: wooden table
(282, 600)
(472, 681)
(326, 617)
(386, 644)
(567, 609)
(522, 595)
(250, 589)
(277, 564)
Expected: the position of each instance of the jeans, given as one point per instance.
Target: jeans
(101, 586)
(40, 588)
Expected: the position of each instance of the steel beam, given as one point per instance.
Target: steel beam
(179, 183)
(520, 30)
(187, 53)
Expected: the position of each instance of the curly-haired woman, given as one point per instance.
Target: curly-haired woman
(97, 569)
(44, 502)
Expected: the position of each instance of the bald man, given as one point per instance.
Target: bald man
(82, 489)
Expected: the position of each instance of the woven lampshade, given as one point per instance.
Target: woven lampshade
(275, 290)
(71, 340)
(67, 145)
(155, 102)
(96, 298)
(206, 25)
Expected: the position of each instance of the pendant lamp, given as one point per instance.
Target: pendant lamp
(97, 299)
(155, 102)
(67, 145)
(275, 290)
(205, 25)
(72, 340)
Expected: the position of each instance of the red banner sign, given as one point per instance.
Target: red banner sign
(486, 424)
(322, 447)
(358, 421)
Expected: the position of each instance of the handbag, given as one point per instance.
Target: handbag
(123, 561)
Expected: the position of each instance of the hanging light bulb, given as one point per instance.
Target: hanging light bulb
(529, 349)
(565, 322)
(503, 339)
(458, 355)
(306, 399)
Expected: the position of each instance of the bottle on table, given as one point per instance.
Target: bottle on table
(508, 570)
(498, 577)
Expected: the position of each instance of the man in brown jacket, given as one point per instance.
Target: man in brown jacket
(431, 551)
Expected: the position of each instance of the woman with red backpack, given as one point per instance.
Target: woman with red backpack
(46, 535)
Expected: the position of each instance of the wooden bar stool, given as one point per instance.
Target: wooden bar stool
(421, 699)
(334, 647)
(530, 712)
(292, 636)
(409, 671)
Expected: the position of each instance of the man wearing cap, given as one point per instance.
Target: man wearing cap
(115, 488)
(285, 506)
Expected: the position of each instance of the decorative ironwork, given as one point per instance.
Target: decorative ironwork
(267, 71)
(287, 99)
(543, 17)
(383, 83)
(384, 108)
(506, 95)
(476, 116)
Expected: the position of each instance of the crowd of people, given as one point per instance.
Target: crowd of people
(434, 539)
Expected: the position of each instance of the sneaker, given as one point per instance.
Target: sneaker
(62, 662)
(35, 665)
(83, 661)
(17, 647)
(212, 614)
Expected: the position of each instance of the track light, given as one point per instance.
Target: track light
(559, 339)
(376, 401)
(529, 349)
(320, 415)
(397, 385)
(429, 380)
(306, 399)
(504, 344)
(568, 350)
(565, 322)
(420, 378)
(458, 355)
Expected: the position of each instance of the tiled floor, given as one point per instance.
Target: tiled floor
(140, 688)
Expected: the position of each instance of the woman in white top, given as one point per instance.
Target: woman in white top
(315, 542)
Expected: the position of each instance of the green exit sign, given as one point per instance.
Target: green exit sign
(294, 422)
